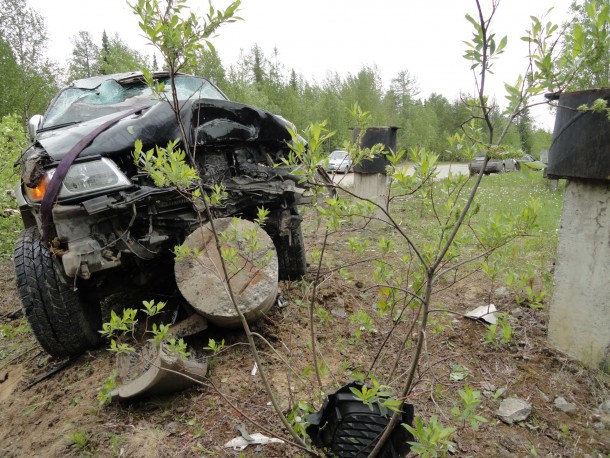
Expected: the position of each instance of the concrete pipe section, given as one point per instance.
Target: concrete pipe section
(252, 266)
(154, 370)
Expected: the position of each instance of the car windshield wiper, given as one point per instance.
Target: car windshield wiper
(57, 126)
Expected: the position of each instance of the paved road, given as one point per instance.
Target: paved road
(443, 172)
(461, 169)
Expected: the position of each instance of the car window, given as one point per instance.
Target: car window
(76, 104)
(339, 155)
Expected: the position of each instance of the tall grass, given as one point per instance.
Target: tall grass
(511, 190)
(535, 253)
(525, 264)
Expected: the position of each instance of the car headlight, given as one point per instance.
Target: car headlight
(83, 178)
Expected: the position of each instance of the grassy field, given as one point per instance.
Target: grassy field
(527, 260)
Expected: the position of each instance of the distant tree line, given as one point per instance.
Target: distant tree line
(29, 80)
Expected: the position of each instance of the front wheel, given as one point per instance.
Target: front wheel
(63, 321)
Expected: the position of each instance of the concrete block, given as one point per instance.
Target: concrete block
(156, 371)
(254, 279)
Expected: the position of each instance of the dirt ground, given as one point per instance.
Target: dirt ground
(60, 415)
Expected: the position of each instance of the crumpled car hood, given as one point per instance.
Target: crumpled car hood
(210, 121)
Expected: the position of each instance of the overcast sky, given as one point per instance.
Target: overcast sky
(319, 36)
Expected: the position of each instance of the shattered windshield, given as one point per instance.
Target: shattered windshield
(75, 105)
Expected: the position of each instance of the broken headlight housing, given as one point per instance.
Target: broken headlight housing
(83, 178)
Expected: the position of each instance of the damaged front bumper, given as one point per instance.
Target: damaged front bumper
(140, 223)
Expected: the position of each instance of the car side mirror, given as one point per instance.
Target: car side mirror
(33, 125)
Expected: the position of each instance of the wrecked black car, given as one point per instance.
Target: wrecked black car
(102, 225)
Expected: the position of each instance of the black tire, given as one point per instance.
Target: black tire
(62, 320)
(292, 263)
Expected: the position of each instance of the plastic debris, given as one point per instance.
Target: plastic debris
(348, 428)
(486, 313)
(458, 372)
(240, 443)
(282, 302)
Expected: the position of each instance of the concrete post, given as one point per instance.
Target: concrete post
(371, 186)
(370, 179)
(579, 316)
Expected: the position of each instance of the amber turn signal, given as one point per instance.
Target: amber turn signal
(36, 194)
